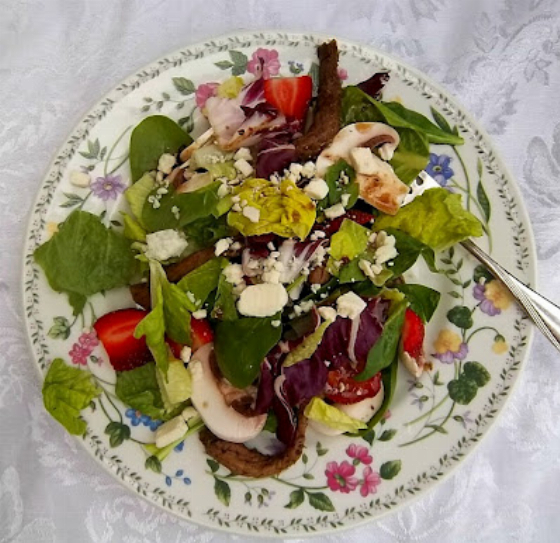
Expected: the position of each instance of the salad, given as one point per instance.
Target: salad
(265, 261)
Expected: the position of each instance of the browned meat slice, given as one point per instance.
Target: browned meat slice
(141, 291)
(326, 122)
(250, 463)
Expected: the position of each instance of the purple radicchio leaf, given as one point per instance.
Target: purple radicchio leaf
(374, 85)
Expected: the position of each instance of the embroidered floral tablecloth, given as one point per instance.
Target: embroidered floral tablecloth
(500, 58)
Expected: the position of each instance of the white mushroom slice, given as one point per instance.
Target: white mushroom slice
(363, 411)
(358, 135)
(195, 182)
(221, 419)
(199, 142)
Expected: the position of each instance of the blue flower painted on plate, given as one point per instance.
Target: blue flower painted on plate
(439, 168)
(137, 418)
(180, 447)
(179, 475)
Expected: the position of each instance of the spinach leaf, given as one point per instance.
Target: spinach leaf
(138, 388)
(66, 391)
(409, 249)
(383, 351)
(153, 137)
(411, 156)
(423, 300)
(191, 206)
(358, 106)
(241, 346)
(203, 280)
(84, 258)
(337, 189)
(224, 306)
(206, 231)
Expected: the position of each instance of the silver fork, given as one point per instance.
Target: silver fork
(544, 314)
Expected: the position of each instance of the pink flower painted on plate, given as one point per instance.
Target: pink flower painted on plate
(78, 354)
(359, 453)
(88, 340)
(264, 63)
(205, 91)
(340, 476)
(386, 415)
(370, 482)
(342, 74)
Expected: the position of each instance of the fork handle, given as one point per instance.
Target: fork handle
(544, 314)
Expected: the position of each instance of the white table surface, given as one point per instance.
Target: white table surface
(501, 58)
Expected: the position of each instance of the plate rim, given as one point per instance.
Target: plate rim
(275, 34)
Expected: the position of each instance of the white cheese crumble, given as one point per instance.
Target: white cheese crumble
(276, 323)
(363, 161)
(165, 244)
(223, 190)
(308, 169)
(350, 305)
(200, 314)
(243, 167)
(243, 153)
(316, 189)
(318, 234)
(222, 245)
(170, 431)
(186, 353)
(166, 163)
(328, 313)
(344, 199)
(233, 274)
(176, 212)
(262, 300)
(80, 179)
(252, 213)
(335, 211)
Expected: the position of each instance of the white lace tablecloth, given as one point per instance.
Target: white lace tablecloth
(501, 58)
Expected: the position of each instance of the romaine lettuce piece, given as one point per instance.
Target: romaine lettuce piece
(331, 416)
(177, 388)
(203, 280)
(66, 391)
(307, 347)
(284, 210)
(436, 218)
(137, 194)
(350, 241)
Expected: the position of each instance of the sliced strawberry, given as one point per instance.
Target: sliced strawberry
(201, 333)
(290, 95)
(116, 331)
(332, 226)
(175, 347)
(412, 343)
(341, 386)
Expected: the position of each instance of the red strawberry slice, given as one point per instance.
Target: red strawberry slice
(412, 343)
(290, 95)
(201, 333)
(116, 331)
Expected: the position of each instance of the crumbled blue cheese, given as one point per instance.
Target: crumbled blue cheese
(165, 244)
(243, 167)
(335, 211)
(350, 305)
(243, 153)
(316, 189)
(222, 245)
(252, 213)
(79, 179)
(166, 163)
(200, 314)
(262, 300)
(170, 431)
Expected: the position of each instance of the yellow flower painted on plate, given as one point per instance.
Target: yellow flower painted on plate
(500, 346)
(51, 228)
(498, 294)
(231, 87)
(447, 341)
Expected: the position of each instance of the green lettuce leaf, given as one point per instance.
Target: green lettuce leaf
(178, 386)
(137, 194)
(423, 300)
(190, 207)
(150, 139)
(307, 347)
(84, 258)
(436, 218)
(203, 280)
(350, 241)
(241, 345)
(285, 210)
(139, 389)
(132, 229)
(66, 391)
(383, 351)
(331, 416)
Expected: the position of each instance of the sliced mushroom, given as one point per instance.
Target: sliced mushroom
(363, 411)
(373, 135)
(195, 182)
(220, 418)
(199, 142)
